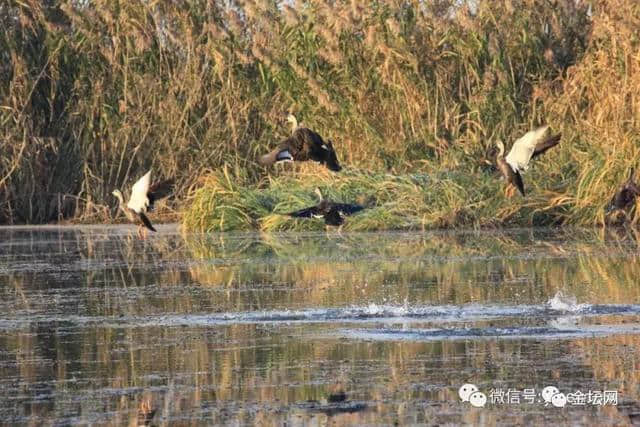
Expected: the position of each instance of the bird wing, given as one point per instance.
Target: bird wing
(510, 175)
(523, 148)
(146, 221)
(346, 208)
(310, 144)
(309, 135)
(334, 217)
(311, 212)
(337, 211)
(545, 144)
(160, 190)
(139, 199)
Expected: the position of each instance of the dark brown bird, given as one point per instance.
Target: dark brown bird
(332, 213)
(303, 145)
(143, 197)
(338, 396)
(627, 194)
(529, 146)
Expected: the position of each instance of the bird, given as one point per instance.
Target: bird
(332, 213)
(337, 396)
(303, 144)
(143, 197)
(626, 195)
(529, 146)
(145, 412)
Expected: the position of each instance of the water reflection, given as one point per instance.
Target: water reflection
(100, 327)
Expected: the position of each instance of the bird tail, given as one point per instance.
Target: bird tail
(146, 221)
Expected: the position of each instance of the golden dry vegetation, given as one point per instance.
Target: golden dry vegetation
(93, 94)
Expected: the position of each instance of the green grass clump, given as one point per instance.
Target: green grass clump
(393, 202)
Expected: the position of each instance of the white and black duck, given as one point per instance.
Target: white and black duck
(143, 197)
(529, 146)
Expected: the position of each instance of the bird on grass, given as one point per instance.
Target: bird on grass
(529, 146)
(626, 195)
(143, 197)
(333, 213)
(303, 144)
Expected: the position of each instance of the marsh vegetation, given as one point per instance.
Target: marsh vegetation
(94, 94)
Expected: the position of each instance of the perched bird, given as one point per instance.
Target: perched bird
(626, 195)
(529, 146)
(143, 196)
(332, 213)
(303, 144)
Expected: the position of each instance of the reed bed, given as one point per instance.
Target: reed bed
(447, 199)
(94, 94)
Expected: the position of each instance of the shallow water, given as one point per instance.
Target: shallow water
(97, 326)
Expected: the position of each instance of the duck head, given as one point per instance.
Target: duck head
(292, 120)
(330, 157)
(118, 195)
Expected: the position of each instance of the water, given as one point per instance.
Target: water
(99, 327)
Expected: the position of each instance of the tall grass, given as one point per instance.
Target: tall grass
(226, 202)
(93, 94)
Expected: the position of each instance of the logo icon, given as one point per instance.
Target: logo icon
(478, 399)
(466, 391)
(559, 400)
(548, 393)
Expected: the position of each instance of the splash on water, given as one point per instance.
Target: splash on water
(566, 303)
(557, 308)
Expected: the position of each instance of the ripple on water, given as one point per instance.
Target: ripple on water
(556, 309)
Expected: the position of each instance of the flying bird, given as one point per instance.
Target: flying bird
(332, 213)
(143, 197)
(303, 144)
(527, 147)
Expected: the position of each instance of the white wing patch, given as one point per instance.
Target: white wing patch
(139, 200)
(522, 150)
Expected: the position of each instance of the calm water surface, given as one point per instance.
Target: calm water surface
(99, 327)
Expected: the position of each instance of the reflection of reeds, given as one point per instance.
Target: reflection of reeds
(468, 267)
(183, 369)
